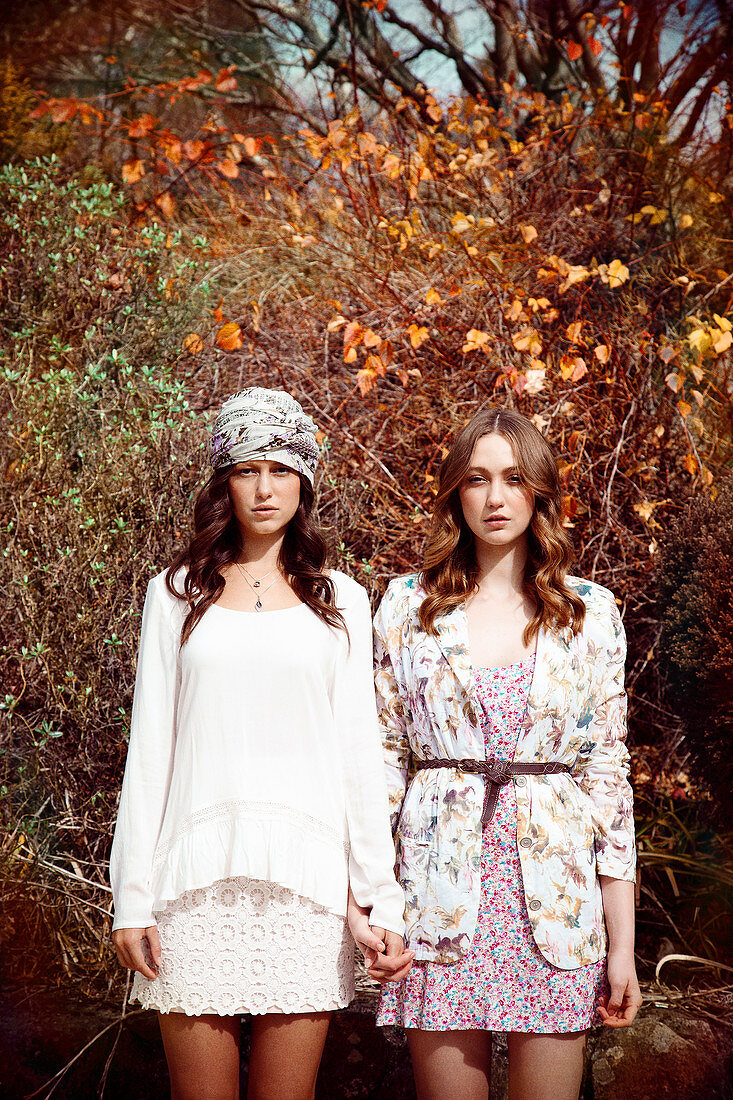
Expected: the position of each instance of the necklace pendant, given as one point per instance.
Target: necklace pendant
(258, 605)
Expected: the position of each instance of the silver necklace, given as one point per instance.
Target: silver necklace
(258, 601)
(256, 583)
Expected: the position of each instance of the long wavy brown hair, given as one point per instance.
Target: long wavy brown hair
(450, 570)
(217, 542)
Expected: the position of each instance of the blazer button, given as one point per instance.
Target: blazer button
(520, 780)
(535, 904)
(525, 842)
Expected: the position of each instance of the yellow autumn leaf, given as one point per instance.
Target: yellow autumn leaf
(684, 409)
(461, 223)
(371, 340)
(335, 323)
(418, 335)
(685, 221)
(691, 464)
(528, 339)
(617, 273)
(193, 344)
(573, 331)
(721, 340)
(432, 298)
(529, 233)
(574, 273)
(475, 340)
(699, 339)
(350, 355)
(602, 352)
(722, 322)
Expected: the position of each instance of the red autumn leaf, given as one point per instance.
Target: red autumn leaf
(595, 46)
(574, 51)
(139, 127)
(229, 337)
(218, 314)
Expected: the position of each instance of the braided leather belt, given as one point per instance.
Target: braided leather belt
(496, 774)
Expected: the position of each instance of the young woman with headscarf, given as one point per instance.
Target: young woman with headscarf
(254, 798)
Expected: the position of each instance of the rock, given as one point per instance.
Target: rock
(665, 1055)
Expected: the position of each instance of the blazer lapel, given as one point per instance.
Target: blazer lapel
(452, 637)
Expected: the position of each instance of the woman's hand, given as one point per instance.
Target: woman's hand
(394, 964)
(384, 952)
(619, 1008)
(138, 949)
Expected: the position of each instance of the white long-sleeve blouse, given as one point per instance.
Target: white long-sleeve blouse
(254, 751)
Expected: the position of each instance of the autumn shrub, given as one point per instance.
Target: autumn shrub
(96, 476)
(695, 585)
(396, 274)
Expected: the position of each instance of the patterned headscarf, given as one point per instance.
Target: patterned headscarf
(264, 424)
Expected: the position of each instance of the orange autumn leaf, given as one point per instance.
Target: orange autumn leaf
(418, 335)
(574, 51)
(63, 110)
(573, 331)
(595, 46)
(373, 362)
(528, 232)
(691, 464)
(365, 380)
(371, 340)
(684, 409)
(132, 171)
(225, 82)
(229, 337)
(432, 298)
(475, 340)
(166, 204)
(141, 126)
(193, 149)
(193, 344)
(602, 352)
(227, 168)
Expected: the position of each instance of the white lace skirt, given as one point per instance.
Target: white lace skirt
(243, 945)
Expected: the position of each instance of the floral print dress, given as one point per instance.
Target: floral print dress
(503, 983)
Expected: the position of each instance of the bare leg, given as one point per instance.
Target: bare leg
(545, 1067)
(449, 1064)
(202, 1054)
(285, 1056)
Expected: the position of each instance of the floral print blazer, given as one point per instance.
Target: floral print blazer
(570, 827)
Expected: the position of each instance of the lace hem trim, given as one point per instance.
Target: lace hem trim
(241, 809)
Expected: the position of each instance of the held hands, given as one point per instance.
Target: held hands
(619, 1008)
(138, 949)
(384, 952)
